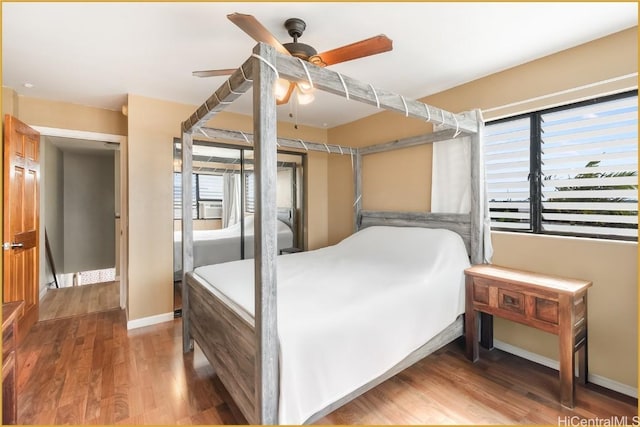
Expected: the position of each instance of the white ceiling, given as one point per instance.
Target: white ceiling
(95, 53)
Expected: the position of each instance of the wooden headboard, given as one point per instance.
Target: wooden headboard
(459, 223)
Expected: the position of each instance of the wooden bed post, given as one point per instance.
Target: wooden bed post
(187, 234)
(357, 188)
(265, 170)
(477, 193)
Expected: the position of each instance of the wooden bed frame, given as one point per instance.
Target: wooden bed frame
(243, 349)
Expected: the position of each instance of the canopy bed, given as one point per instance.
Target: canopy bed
(259, 322)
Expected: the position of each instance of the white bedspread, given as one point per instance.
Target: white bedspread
(349, 312)
(216, 246)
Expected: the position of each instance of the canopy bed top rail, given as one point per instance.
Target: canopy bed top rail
(238, 83)
(247, 137)
(292, 68)
(295, 69)
(413, 141)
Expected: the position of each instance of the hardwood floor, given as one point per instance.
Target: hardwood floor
(77, 300)
(89, 370)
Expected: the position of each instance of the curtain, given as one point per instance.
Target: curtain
(451, 184)
(231, 194)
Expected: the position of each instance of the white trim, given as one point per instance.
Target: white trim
(43, 291)
(563, 92)
(79, 134)
(149, 321)
(124, 190)
(553, 364)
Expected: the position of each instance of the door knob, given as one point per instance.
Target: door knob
(6, 246)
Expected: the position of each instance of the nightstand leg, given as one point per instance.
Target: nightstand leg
(486, 331)
(582, 365)
(583, 353)
(471, 326)
(470, 322)
(566, 338)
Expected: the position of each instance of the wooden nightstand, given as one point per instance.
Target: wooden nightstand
(553, 304)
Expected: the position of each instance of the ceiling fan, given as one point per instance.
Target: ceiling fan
(295, 27)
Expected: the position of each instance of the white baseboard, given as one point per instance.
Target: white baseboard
(148, 321)
(554, 364)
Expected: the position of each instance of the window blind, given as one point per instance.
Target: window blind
(589, 169)
(507, 147)
(249, 193)
(210, 187)
(177, 196)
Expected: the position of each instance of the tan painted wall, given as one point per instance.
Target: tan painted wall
(55, 114)
(400, 182)
(152, 126)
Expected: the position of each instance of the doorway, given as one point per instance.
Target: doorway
(83, 250)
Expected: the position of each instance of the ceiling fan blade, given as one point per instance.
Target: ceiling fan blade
(212, 73)
(368, 47)
(287, 95)
(250, 25)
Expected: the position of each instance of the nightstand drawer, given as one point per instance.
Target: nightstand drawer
(511, 301)
(481, 293)
(546, 310)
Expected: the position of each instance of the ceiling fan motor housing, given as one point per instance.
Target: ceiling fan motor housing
(295, 27)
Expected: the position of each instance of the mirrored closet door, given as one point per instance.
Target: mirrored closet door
(223, 205)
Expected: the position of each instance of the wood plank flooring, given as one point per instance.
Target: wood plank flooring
(77, 300)
(90, 370)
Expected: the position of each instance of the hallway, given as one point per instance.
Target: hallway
(77, 300)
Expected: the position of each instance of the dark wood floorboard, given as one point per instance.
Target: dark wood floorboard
(90, 370)
(77, 300)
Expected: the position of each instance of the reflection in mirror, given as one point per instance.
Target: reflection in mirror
(289, 198)
(223, 205)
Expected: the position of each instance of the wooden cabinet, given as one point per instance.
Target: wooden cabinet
(552, 304)
(10, 312)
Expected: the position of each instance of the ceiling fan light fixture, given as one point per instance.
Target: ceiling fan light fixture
(304, 98)
(281, 89)
(305, 87)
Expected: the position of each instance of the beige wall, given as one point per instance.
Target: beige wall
(400, 181)
(152, 126)
(55, 114)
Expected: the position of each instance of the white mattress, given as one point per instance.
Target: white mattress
(216, 246)
(350, 312)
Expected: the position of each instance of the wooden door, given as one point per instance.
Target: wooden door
(21, 220)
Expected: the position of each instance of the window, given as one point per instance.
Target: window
(206, 188)
(249, 192)
(571, 170)
(177, 196)
(210, 187)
